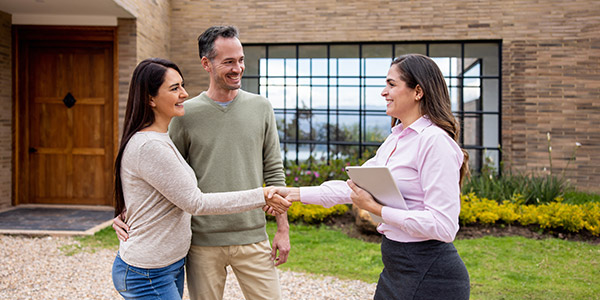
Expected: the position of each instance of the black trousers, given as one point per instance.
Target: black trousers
(421, 270)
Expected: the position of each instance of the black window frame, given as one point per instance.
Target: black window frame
(362, 112)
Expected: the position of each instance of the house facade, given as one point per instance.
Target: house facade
(519, 72)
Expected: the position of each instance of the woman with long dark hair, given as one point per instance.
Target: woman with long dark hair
(420, 261)
(156, 190)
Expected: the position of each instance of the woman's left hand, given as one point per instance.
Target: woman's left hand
(363, 199)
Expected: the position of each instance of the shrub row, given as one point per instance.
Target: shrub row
(313, 214)
(554, 215)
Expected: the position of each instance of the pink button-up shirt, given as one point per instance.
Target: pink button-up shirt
(425, 163)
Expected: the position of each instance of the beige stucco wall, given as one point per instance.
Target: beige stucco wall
(550, 53)
(6, 108)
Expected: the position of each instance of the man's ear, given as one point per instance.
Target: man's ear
(205, 63)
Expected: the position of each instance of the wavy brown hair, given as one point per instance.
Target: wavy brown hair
(147, 78)
(417, 69)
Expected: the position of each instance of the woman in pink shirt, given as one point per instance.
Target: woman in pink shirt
(420, 261)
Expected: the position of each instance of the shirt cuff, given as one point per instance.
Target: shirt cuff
(395, 217)
(310, 195)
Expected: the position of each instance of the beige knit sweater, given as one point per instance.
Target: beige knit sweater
(160, 191)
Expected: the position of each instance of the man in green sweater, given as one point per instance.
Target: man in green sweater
(229, 137)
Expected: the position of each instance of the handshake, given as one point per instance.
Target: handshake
(279, 199)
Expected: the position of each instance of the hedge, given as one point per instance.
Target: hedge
(554, 215)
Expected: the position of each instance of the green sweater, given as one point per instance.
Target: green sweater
(230, 148)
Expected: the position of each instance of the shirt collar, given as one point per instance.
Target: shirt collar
(417, 126)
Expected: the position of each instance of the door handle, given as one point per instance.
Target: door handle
(32, 150)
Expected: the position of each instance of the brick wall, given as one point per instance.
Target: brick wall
(152, 26)
(6, 108)
(145, 36)
(551, 58)
(127, 39)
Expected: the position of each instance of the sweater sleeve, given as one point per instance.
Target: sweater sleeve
(273, 173)
(159, 166)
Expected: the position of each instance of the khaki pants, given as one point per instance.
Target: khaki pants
(251, 264)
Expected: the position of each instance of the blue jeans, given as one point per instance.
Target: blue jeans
(139, 283)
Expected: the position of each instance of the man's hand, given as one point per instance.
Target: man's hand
(120, 227)
(281, 241)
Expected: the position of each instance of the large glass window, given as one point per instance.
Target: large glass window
(327, 98)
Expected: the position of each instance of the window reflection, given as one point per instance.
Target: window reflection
(327, 96)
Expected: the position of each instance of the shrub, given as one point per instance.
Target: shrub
(527, 215)
(554, 215)
(313, 214)
(578, 197)
(535, 188)
(531, 189)
(480, 210)
(545, 189)
(592, 217)
(507, 212)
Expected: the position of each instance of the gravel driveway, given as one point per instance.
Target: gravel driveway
(37, 268)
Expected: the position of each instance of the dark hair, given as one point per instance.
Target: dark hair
(206, 41)
(147, 78)
(417, 69)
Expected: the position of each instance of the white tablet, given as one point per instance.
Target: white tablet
(378, 181)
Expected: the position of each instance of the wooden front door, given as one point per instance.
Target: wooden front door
(66, 116)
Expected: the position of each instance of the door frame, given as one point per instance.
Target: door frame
(30, 33)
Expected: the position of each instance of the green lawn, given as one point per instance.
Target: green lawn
(500, 268)
(520, 268)
(325, 251)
